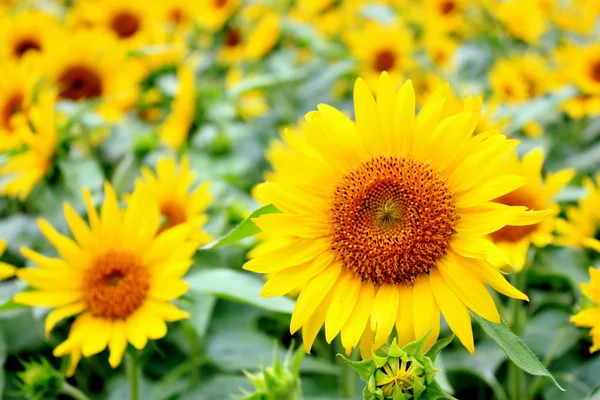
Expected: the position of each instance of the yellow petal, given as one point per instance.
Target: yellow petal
(405, 319)
(110, 214)
(64, 246)
(47, 298)
(117, 343)
(80, 230)
(426, 313)
(63, 312)
(167, 311)
(313, 325)
(455, 312)
(489, 190)
(344, 298)
(135, 330)
(357, 321)
(291, 225)
(486, 218)
(404, 117)
(168, 290)
(298, 252)
(492, 277)
(383, 314)
(313, 294)
(98, 340)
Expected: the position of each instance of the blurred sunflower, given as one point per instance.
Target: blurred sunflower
(519, 78)
(181, 14)
(117, 275)
(175, 129)
(578, 16)
(379, 48)
(215, 13)
(590, 317)
(252, 35)
(580, 229)
(440, 48)
(179, 202)
(17, 84)
(6, 270)
(90, 67)
(524, 19)
(131, 23)
(515, 240)
(445, 15)
(23, 170)
(386, 220)
(27, 32)
(250, 104)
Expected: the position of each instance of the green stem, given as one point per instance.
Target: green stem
(516, 378)
(347, 374)
(72, 391)
(537, 382)
(133, 374)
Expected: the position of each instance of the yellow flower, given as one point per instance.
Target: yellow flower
(386, 220)
(590, 317)
(578, 16)
(132, 23)
(379, 48)
(17, 84)
(91, 67)
(6, 270)
(25, 169)
(175, 128)
(445, 15)
(215, 13)
(179, 13)
(583, 220)
(515, 240)
(251, 36)
(117, 276)
(524, 19)
(28, 32)
(440, 48)
(179, 202)
(250, 104)
(519, 78)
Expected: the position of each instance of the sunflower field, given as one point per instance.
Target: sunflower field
(300, 199)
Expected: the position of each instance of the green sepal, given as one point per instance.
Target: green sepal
(365, 368)
(438, 346)
(435, 392)
(415, 348)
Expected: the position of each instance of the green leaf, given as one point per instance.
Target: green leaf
(245, 229)
(438, 346)
(237, 286)
(435, 392)
(365, 368)
(515, 349)
(200, 308)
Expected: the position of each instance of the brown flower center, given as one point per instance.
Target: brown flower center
(519, 197)
(447, 7)
(391, 219)
(384, 61)
(174, 214)
(177, 16)
(125, 24)
(220, 3)
(115, 285)
(595, 71)
(26, 44)
(13, 105)
(233, 37)
(79, 82)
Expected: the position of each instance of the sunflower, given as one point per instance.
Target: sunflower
(519, 78)
(578, 16)
(179, 202)
(515, 240)
(215, 13)
(582, 223)
(590, 317)
(445, 15)
(174, 130)
(386, 221)
(132, 23)
(90, 67)
(379, 48)
(6, 270)
(524, 19)
(117, 276)
(23, 170)
(181, 14)
(28, 32)
(17, 85)
(441, 49)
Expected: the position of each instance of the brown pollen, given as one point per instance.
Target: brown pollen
(384, 60)
(13, 106)
(519, 197)
(220, 3)
(79, 82)
(174, 214)
(125, 24)
(115, 285)
(447, 7)
(595, 71)
(391, 219)
(25, 45)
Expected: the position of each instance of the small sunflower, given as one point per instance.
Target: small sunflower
(6, 270)
(181, 14)
(515, 240)
(386, 222)
(215, 13)
(91, 67)
(590, 317)
(176, 127)
(24, 170)
(117, 276)
(379, 48)
(445, 15)
(172, 188)
(524, 19)
(17, 84)
(583, 220)
(519, 78)
(28, 32)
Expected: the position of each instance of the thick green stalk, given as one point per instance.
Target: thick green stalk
(133, 375)
(72, 391)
